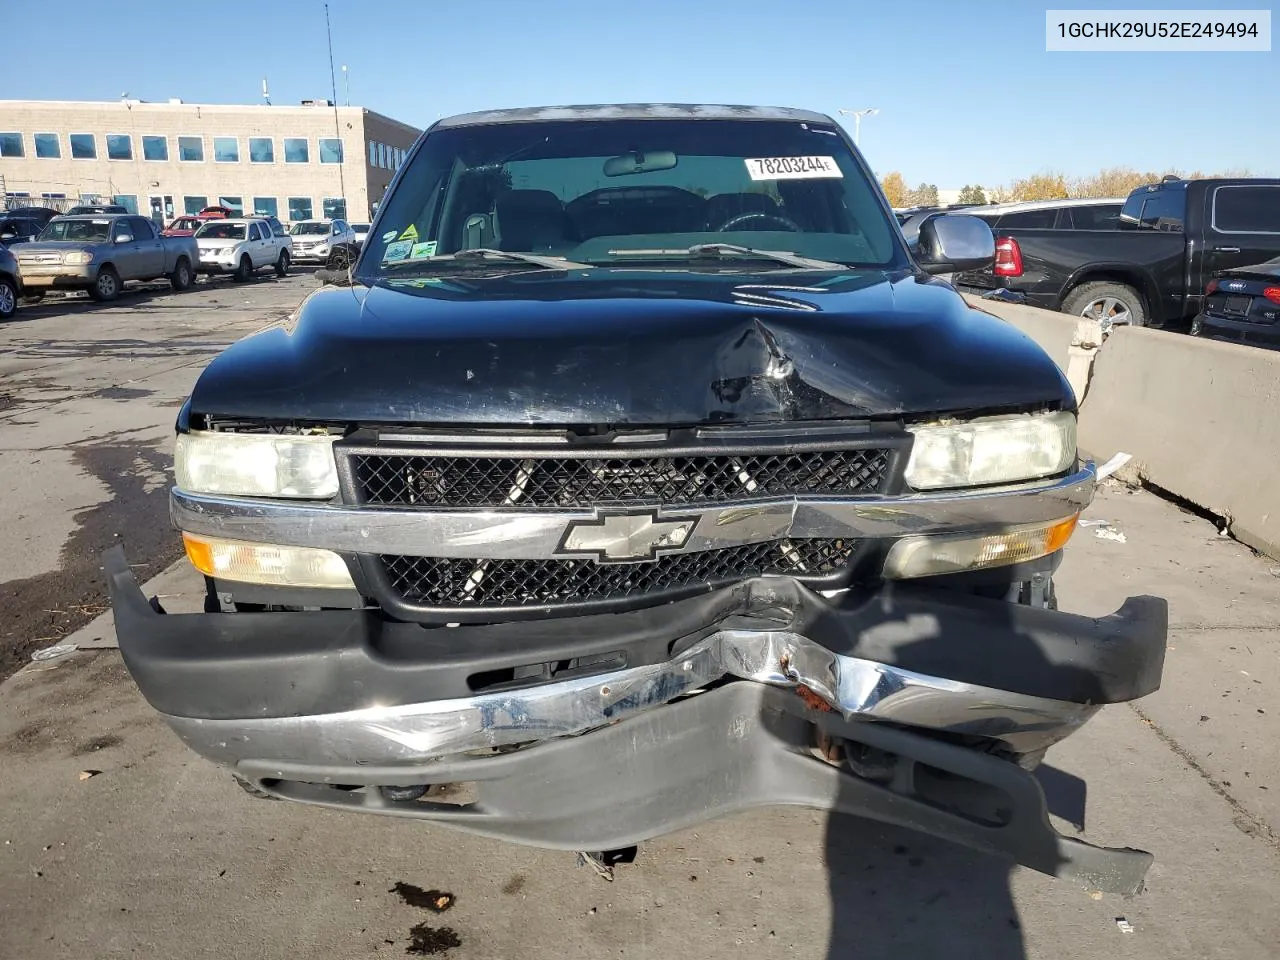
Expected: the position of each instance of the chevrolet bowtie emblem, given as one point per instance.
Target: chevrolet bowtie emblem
(627, 537)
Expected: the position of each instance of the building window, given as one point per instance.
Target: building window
(330, 150)
(193, 205)
(119, 146)
(191, 149)
(53, 196)
(11, 145)
(226, 150)
(265, 207)
(296, 150)
(47, 146)
(373, 153)
(83, 146)
(299, 208)
(155, 148)
(234, 204)
(335, 208)
(262, 150)
(127, 200)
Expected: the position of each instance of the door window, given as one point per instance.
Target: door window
(1246, 209)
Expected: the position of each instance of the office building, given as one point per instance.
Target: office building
(167, 159)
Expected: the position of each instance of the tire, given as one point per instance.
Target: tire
(181, 278)
(8, 298)
(244, 269)
(107, 287)
(339, 259)
(1106, 300)
(282, 265)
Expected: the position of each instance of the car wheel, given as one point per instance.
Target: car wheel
(244, 270)
(107, 287)
(1110, 303)
(181, 278)
(282, 265)
(8, 298)
(339, 259)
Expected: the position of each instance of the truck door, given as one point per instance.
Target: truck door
(150, 248)
(1242, 227)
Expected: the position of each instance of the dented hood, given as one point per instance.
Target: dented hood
(639, 347)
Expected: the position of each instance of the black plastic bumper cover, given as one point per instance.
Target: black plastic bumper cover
(234, 665)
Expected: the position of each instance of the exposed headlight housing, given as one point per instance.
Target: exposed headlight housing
(991, 450)
(77, 257)
(256, 464)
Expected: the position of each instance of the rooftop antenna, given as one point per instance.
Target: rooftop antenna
(266, 94)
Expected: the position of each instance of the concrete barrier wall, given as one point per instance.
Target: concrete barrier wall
(1201, 418)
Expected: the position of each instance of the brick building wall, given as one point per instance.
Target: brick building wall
(262, 155)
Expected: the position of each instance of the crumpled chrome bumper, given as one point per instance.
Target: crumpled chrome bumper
(852, 687)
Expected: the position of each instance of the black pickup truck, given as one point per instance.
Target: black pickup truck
(642, 474)
(1172, 239)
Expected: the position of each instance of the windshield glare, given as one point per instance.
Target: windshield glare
(634, 191)
(83, 231)
(221, 231)
(309, 229)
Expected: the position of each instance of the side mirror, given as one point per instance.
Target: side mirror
(954, 244)
(8, 236)
(128, 238)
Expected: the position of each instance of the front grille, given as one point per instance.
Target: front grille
(468, 584)
(476, 481)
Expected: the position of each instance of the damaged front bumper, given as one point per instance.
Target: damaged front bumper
(653, 720)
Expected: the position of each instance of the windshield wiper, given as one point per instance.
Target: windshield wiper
(712, 251)
(488, 253)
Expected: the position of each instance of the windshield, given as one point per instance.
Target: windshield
(221, 231)
(84, 231)
(636, 192)
(309, 229)
(360, 227)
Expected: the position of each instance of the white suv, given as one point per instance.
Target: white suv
(240, 247)
(329, 243)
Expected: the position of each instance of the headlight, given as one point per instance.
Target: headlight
(267, 563)
(991, 450)
(77, 257)
(256, 464)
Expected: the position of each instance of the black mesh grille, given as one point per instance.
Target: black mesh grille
(440, 582)
(452, 481)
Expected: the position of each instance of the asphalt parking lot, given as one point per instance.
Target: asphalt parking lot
(159, 854)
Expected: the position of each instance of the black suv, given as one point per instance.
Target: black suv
(643, 474)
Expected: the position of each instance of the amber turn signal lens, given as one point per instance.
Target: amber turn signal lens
(934, 555)
(266, 563)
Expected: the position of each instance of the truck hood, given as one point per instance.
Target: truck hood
(632, 347)
(27, 251)
(219, 243)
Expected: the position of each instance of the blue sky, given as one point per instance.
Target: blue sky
(966, 91)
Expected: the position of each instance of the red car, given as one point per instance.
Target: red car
(216, 213)
(182, 227)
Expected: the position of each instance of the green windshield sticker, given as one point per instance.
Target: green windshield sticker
(388, 236)
(397, 251)
(423, 250)
(410, 232)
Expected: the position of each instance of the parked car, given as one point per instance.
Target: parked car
(641, 508)
(241, 247)
(361, 231)
(100, 254)
(86, 209)
(41, 215)
(1243, 306)
(328, 242)
(215, 212)
(278, 229)
(10, 283)
(1172, 238)
(15, 229)
(183, 226)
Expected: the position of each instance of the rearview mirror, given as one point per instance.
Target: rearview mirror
(955, 243)
(639, 162)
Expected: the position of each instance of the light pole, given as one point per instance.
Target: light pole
(857, 121)
(346, 84)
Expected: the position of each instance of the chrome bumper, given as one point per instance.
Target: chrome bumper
(540, 534)
(855, 688)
